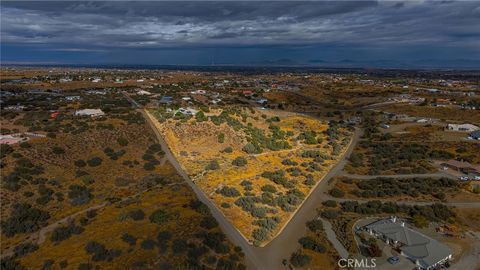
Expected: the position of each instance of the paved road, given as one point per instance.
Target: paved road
(282, 246)
(417, 175)
(332, 237)
(454, 204)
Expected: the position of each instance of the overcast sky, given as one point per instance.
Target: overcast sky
(228, 32)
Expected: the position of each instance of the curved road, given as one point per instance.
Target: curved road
(419, 175)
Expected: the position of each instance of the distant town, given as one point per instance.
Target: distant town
(205, 169)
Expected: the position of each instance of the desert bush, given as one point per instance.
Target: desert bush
(79, 195)
(179, 246)
(269, 223)
(225, 205)
(299, 259)
(227, 150)
(221, 138)
(308, 242)
(258, 212)
(229, 192)
(100, 253)
(289, 162)
(24, 249)
(269, 188)
(94, 162)
(129, 239)
(136, 214)
(250, 148)
(164, 236)
(24, 219)
(64, 232)
(337, 193)
(159, 217)
(213, 165)
(239, 161)
(330, 203)
(315, 225)
(209, 222)
(148, 244)
(122, 141)
(330, 214)
(260, 234)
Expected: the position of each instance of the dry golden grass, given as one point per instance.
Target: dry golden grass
(196, 144)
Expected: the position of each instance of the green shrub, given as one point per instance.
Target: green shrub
(129, 239)
(260, 234)
(315, 225)
(337, 193)
(239, 161)
(213, 165)
(299, 259)
(80, 163)
(229, 192)
(221, 138)
(159, 217)
(330, 203)
(24, 219)
(136, 214)
(269, 188)
(227, 150)
(94, 162)
(308, 242)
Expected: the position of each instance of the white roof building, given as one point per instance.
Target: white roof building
(143, 92)
(90, 112)
(463, 127)
(424, 251)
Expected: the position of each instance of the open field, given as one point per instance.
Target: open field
(283, 163)
(97, 192)
(406, 189)
(442, 113)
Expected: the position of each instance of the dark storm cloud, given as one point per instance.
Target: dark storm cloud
(118, 25)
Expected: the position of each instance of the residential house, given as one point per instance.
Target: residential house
(462, 127)
(187, 111)
(199, 92)
(143, 93)
(90, 112)
(475, 135)
(422, 250)
(9, 139)
(72, 98)
(261, 100)
(462, 166)
(166, 100)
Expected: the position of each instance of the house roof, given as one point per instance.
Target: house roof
(461, 164)
(420, 247)
(475, 134)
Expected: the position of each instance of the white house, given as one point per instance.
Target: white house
(72, 98)
(187, 111)
(90, 112)
(199, 92)
(462, 127)
(143, 92)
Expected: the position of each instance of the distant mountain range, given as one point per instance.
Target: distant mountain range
(382, 63)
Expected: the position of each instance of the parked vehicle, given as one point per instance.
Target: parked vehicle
(393, 260)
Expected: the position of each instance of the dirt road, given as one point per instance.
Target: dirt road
(281, 247)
